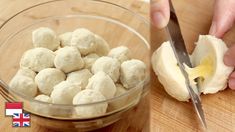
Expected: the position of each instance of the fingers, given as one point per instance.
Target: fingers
(229, 57)
(231, 81)
(229, 60)
(160, 13)
(223, 19)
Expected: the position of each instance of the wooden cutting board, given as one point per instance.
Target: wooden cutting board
(168, 114)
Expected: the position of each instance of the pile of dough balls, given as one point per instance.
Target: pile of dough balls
(76, 68)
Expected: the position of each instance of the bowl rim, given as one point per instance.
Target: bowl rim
(99, 1)
(142, 83)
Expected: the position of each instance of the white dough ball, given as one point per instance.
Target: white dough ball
(89, 60)
(120, 90)
(90, 96)
(132, 73)
(65, 39)
(42, 108)
(102, 83)
(64, 92)
(110, 66)
(68, 59)
(121, 53)
(81, 76)
(43, 98)
(24, 85)
(46, 79)
(121, 101)
(26, 72)
(84, 40)
(37, 59)
(102, 47)
(46, 38)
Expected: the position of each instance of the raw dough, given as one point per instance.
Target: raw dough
(23, 85)
(43, 98)
(89, 60)
(46, 79)
(102, 47)
(43, 108)
(90, 96)
(68, 59)
(26, 72)
(64, 92)
(121, 53)
(81, 76)
(84, 40)
(109, 65)
(37, 59)
(102, 83)
(65, 39)
(46, 38)
(133, 72)
(121, 101)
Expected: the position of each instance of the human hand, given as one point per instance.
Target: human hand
(223, 19)
(160, 13)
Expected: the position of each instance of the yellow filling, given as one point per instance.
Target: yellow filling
(203, 70)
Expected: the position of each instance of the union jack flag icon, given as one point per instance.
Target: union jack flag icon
(21, 120)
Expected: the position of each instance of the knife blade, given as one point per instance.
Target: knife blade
(180, 51)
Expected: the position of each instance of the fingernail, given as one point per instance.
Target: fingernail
(232, 83)
(213, 29)
(159, 20)
(228, 59)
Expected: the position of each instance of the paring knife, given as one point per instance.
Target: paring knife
(182, 57)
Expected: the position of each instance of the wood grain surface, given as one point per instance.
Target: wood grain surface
(137, 121)
(166, 113)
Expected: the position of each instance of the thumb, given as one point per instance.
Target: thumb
(223, 18)
(160, 13)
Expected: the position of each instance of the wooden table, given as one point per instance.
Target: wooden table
(166, 113)
(138, 121)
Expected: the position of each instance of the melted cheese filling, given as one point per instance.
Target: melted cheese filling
(204, 70)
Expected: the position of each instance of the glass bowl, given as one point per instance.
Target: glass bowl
(116, 24)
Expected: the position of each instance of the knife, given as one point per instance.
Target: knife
(179, 48)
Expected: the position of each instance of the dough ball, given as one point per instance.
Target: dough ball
(42, 108)
(120, 90)
(103, 83)
(43, 98)
(64, 92)
(84, 40)
(68, 59)
(81, 77)
(110, 66)
(132, 73)
(121, 53)
(46, 38)
(90, 96)
(46, 79)
(102, 47)
(89, 60)
(65, 39)
(26, 72)
(121, 101)
(23, 85)
(37, 59)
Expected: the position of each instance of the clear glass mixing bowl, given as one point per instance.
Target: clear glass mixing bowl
(116, 24)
